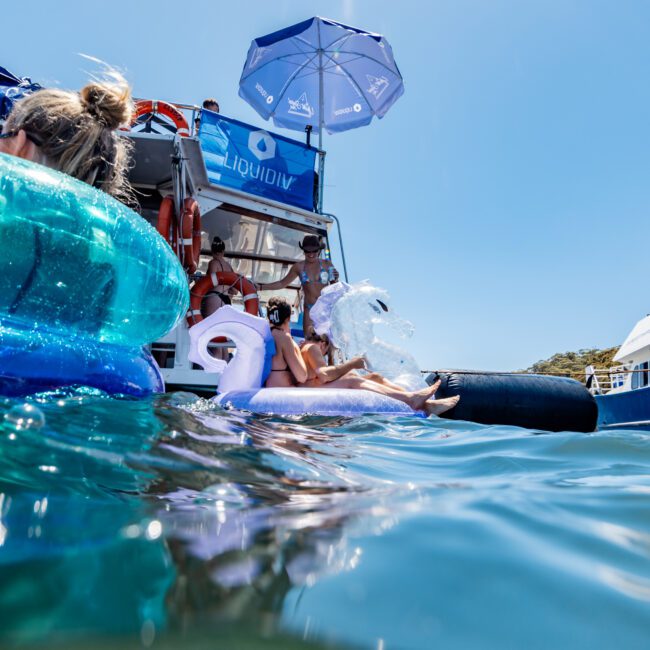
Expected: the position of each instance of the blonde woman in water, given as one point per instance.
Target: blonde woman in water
(75, 133)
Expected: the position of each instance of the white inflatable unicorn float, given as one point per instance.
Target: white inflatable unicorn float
(348, 313)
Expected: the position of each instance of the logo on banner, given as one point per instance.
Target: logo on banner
(377, 85)
(258, 162)
(300, 106)
(261, 145)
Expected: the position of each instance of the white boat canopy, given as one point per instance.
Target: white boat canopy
(636, 347)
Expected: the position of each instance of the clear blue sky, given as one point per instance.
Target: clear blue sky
(503, 201)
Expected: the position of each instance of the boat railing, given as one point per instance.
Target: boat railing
(600, 381)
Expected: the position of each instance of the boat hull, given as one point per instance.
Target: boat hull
(629, 409)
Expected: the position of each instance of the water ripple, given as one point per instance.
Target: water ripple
(124, 521)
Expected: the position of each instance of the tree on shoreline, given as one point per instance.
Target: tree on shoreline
(573, 364)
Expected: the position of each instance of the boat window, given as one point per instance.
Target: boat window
(244, 234)
(261, 250)
(258, 270)
(640, 375)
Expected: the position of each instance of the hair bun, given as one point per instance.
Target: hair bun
(108, 102)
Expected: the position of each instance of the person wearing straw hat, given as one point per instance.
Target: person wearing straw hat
(314, 274)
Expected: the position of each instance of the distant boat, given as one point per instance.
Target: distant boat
(623, 391)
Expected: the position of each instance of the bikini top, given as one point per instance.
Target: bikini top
(322, 272)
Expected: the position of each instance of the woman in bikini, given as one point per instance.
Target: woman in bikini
(220, 295)
(314, 274)
(320, 374)
(287, 366)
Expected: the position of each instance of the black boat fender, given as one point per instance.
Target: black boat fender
(532, 401)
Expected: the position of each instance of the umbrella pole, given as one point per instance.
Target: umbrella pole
(321, 153)
(321, 173)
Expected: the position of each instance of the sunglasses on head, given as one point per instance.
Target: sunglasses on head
(13, 133)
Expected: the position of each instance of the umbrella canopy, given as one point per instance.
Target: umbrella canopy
(322, 74)
(8, 79)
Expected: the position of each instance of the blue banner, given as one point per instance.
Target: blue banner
(246, 158)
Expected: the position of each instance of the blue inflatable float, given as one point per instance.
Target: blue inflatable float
(85, 283)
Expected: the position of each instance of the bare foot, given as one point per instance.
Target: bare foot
(421, 396)
(439, 406)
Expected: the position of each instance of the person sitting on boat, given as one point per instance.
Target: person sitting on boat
(320, 374)
(314, 274)
(75, 133)
(209, 104)
(287, 366)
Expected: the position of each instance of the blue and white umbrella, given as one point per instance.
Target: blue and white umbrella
(322, 74)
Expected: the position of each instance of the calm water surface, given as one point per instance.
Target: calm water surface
(172, 523)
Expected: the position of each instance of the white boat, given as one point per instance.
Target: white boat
(623, 391)
(261, 233)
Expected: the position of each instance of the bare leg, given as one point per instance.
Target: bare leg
(380, 379)
(414, 400)
(356, 382)
(306, 322)
(422, 395)
(439, 406)
(427, 394)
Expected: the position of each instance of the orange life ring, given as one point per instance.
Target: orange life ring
(146, 106)
(165, 218)
(191, 220)
(234, 280)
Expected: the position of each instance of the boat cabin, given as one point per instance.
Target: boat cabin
(633, 359)
(254, 189)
